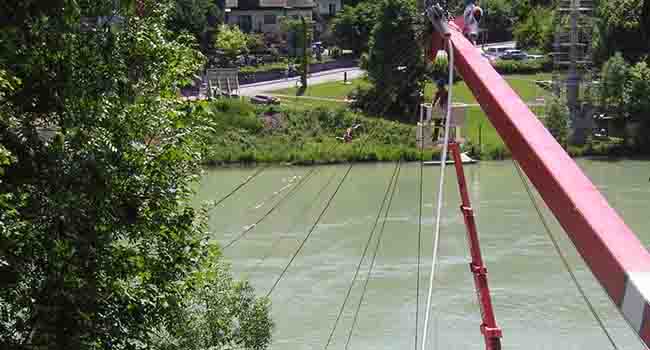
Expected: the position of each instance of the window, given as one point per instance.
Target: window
(246, 23)
(332, 9)
(270, 19)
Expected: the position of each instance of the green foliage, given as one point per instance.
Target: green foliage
(637, 91)
(396, 67)
(537, 30)
(219, 313)
(523, 67)
(193, 16)
(307, 136)
(353, 26)
(499, 17)
(439, 70)
(255, 43)
(557, 120)
(615, 73)
(99, 242)
(622, 27)
(232, 42)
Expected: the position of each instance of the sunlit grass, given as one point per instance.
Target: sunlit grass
(477, 130)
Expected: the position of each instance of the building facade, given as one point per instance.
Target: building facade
(264, 16)
(329, 7)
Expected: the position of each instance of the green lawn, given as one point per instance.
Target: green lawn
(335, 90)
(478, 128)
(524, 85)
(306, 103)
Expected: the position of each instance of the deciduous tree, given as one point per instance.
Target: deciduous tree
(354, 24)
(232, 42)
(99, 243)
(395, 65)
(615, 74)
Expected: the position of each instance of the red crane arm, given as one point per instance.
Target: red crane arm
(612, 251)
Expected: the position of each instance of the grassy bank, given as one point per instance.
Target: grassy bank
(483, 139)
(238, 132)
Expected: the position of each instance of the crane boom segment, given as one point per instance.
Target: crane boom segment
(610, 248)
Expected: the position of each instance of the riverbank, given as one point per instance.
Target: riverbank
(239, 132)
(483, 141)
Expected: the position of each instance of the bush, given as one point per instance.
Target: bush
(557, 119)
(614, 74)
(523, 67)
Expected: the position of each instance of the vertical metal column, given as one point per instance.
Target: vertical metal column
(491, 332)
(573, 77)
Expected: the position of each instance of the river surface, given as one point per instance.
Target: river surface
(536, 303)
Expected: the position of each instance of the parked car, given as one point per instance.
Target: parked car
(265, 100)
(496, 51)
(516, 55)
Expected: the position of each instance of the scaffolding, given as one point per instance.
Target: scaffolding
(572, 58)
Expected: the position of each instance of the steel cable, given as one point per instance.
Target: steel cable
(564, 259)
(417, 284)
(313, 227)
(311, 204)
(289, 194)
(240, 186)
(374, 257)
(365, 250)
(302, 244)
(443, 165)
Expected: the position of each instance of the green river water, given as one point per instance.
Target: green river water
(535, 301)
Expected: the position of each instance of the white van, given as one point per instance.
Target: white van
(497, 51)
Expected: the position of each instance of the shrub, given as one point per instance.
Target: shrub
(557, 119)
(523, 67)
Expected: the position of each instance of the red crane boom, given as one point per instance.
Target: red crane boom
(617, 258)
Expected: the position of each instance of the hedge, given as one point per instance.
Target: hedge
(523, 67)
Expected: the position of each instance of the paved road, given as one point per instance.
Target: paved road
(316, 78)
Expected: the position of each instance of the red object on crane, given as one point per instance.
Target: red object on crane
(491, 332)
(617, 258)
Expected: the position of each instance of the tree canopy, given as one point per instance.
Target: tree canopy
(536, 30)
(622, 27)
(232, 42)
(354, 24)
(194, 16)
(99, 245)
(395, 62)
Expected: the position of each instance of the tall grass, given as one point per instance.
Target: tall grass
(235, 133)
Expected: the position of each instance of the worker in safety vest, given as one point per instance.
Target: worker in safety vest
(472, 16)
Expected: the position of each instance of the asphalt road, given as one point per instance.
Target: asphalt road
(316, 78)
